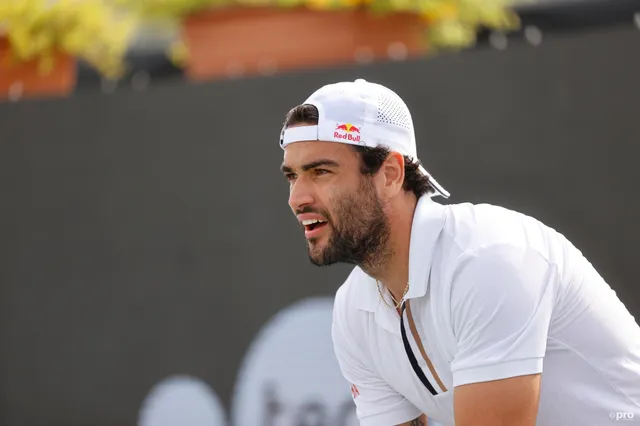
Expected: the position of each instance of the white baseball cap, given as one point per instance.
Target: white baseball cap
(364, 114)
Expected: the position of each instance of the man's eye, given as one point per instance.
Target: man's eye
(321, 171)
(290, 176)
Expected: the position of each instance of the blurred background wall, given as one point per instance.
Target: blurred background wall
(151, 269)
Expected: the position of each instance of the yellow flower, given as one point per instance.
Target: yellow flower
(443, 11)
(319, 4)
(179, 54)
(99, 31)
(88, 29)
(355, 3)
(452, 35)
(401, 5)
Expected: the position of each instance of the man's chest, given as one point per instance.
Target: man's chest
(415, 361)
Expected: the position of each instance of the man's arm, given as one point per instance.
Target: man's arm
(506, 402)
(502, 300)
(420, 421)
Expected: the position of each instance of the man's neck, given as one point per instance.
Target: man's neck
(392, 268)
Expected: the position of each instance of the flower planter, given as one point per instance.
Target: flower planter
(26, 80)
(257, 40)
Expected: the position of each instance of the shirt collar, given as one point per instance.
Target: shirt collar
(427, 224)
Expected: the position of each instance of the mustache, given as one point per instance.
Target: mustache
(308, 210)
(321, 212)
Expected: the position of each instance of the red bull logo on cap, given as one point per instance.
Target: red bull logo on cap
(347, 132)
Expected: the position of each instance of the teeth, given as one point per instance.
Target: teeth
(311, 221)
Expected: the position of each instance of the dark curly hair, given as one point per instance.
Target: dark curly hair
(372, 158)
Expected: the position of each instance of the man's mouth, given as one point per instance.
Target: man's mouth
(313, 227)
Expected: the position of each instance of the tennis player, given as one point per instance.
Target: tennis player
(471, 315)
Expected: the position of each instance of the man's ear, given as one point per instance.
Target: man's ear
(393, 173)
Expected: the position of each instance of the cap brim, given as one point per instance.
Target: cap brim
(439, 189)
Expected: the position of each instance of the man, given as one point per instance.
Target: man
(472, 315)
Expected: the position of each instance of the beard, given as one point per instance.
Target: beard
(360, 233)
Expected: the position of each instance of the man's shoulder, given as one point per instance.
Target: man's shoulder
(476, 218)
(471, 227)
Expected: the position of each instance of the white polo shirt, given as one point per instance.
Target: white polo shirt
(493, 294)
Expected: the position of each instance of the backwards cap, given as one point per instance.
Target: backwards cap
(364, 114)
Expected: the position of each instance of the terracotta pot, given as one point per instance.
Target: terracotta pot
(25, 80)
(252, 40)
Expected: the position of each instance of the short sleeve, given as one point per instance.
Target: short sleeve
(502, 300)
(377, 404)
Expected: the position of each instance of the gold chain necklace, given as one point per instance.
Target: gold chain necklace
(406, 289)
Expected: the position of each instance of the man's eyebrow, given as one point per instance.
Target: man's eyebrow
(312, 165)
(286, 169)
(318, 163)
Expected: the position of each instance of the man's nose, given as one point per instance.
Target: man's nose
(300, 195)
